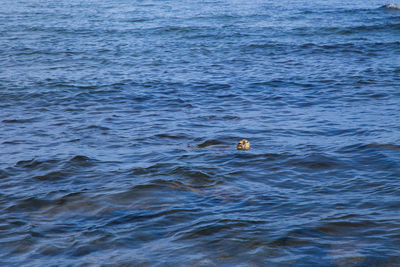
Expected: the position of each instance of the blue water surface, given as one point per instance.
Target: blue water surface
(119, 122)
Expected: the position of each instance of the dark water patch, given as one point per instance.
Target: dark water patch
(231, 118)
(379, 95)
(317, 162)
(77, 207)
(80, 161)
(216, 228)
(193, 175)
(220, 118)
(29, 120)
(142, 215)
(139, 192)
(39, 164)
(4, 174)
(244, 161)
(54, 169)
(291, 240)
(98, 127)
(136, 20)
(35, 164)
(210, 86)
(153, 169)
(383, 146)
(52, 176)
(69, 198)
(343, 228)
(29, 204)
(183, 185)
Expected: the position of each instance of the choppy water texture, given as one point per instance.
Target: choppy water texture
(119, 122)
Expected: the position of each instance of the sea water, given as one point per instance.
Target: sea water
(119, 122)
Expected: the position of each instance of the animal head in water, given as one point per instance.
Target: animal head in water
(243, 144)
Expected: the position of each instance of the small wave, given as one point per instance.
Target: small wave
(190, 173)
(80, 158)
(391, 6)
(316, 162)
(51, 176)
(80, 161)
(36, 164)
